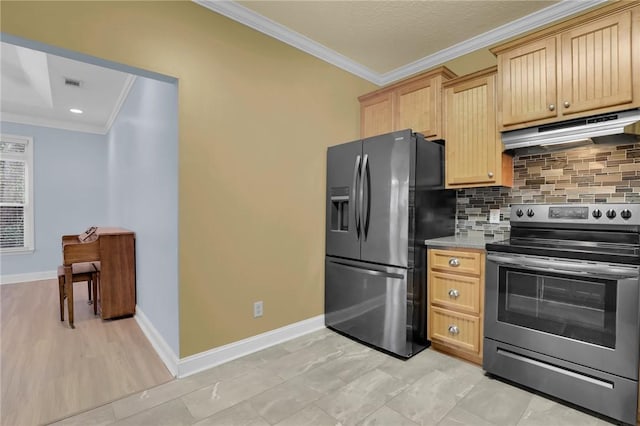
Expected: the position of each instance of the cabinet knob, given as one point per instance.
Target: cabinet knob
(453, 330)
(453, 293)
(490, 174)
(454, 262)
(567, 104)
(552, 107)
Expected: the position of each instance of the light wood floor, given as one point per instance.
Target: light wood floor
(49, 371)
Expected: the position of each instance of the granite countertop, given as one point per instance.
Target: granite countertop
(462, 241)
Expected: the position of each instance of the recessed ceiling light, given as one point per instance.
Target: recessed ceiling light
(76, 111)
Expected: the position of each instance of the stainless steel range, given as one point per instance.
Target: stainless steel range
(562, 304)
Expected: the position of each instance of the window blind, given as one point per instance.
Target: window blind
(14, 194)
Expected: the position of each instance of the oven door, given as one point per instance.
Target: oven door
(578, 311)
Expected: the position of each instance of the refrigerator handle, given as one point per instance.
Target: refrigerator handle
(361, 192)
(356, 173)
(365, 215)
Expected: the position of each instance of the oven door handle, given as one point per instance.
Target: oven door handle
(555, 265)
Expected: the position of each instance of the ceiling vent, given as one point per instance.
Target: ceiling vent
(72, 82)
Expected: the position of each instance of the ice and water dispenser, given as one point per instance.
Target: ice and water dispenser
(340, 208)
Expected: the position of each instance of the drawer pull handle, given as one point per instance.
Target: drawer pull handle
(454, 262)
(453, 330)
(453, 293)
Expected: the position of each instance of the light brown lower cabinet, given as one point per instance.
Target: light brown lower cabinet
(455, 283)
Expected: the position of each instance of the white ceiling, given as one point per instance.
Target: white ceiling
(33, 91)
(384, 41)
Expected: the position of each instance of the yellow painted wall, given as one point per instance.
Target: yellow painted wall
(255, 119)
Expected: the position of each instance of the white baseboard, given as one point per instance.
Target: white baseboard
(204, 360)
(161, 346)
(184, 367)
(31, 276)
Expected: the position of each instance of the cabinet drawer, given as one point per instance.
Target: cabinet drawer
(465, 262)
(457, 292)
(455, 329)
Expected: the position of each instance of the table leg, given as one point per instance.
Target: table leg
(61, 291)
(68, 283)
(95, 293)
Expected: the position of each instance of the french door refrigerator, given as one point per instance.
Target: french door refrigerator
(385, 196)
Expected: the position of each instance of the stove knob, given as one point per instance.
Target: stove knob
(530, 213)
(611, 213)
(519, 213)
(626, 214)
(597, 213)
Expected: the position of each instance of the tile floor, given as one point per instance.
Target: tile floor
(324, 378)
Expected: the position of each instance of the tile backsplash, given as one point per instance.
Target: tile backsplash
(596, 174)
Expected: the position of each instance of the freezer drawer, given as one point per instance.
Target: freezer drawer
(368, 302)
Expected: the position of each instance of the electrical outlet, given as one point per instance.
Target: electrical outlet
(494, 216)
(257, 309)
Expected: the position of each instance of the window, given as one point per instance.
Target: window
(16, 194)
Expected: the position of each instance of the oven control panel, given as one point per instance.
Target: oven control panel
(614, 214)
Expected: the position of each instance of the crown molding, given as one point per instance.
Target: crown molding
(545, 16)
(123, 97)
(245, 16)
(530, 22)
(56, 124)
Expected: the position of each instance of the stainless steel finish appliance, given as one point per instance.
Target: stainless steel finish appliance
(562, 304)
(612, 128)
(385, 196)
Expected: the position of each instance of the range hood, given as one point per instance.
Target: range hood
(615, 128)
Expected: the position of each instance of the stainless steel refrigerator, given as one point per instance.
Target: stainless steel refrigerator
(385, 196)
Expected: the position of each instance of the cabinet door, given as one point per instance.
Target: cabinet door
(473, 143)
(596, 65)
(528, 82)
(376, 114)
(416, 108)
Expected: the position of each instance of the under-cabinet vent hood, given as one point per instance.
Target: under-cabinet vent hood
(615, 128)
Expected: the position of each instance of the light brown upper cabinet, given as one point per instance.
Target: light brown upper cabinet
(596, 65)
(415, 103)
(528, 81)
(376, 114)
(473, 149)
(584, 66)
